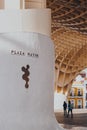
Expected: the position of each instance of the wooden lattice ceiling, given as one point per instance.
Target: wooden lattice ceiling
(69, 13)
(69, 33)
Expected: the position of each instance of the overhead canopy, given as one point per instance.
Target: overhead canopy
(69, 33)
(69, 13)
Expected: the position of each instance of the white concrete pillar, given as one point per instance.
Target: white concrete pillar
(27, 69)
(32, 20)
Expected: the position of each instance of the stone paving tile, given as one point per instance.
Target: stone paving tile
(78, 122)
(69, 127)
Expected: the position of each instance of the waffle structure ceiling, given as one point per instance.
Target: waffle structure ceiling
(69, 33)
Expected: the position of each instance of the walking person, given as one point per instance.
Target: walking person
(70, 107)
(65, 108)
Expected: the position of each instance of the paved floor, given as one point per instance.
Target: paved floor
(78, 122)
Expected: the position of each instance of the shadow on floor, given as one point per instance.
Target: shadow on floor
(78, 120)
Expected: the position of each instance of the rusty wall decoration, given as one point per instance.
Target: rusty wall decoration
(26, 74)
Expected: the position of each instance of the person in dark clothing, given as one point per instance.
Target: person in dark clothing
(65, 108)
(70, 107)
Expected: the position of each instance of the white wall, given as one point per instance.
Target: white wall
(58, 101)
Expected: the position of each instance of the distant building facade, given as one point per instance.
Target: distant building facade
(76, 96)
(85, 93)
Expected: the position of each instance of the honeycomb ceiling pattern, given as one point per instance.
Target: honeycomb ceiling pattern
(69, 33)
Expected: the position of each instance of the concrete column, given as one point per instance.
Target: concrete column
(26, 107)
